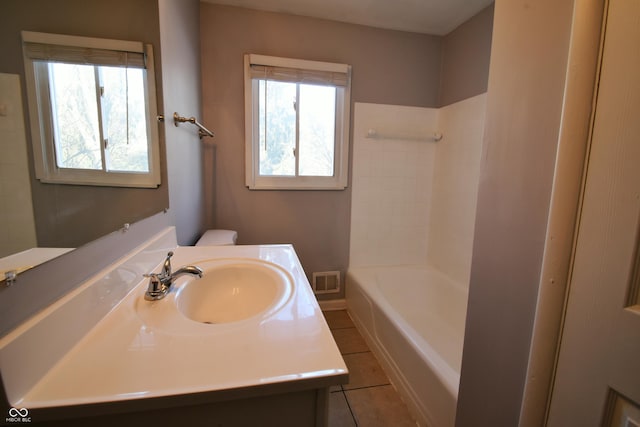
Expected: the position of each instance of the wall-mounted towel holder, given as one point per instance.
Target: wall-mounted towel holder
(374, 134)
(202, 131)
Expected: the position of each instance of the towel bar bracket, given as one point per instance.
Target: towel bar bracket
(202, 131)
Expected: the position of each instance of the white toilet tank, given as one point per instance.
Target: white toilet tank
(218, 238)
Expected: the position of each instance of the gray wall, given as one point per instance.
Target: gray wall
(389, 67)
(180, 41)
(466, 53)
(524, 107)
(66, 215)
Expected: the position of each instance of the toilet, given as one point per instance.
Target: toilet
(218, 238)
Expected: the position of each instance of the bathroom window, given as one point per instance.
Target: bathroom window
(296, 124)
(92, 107)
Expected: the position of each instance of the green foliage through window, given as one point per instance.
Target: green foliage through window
(93, 114)
(297, 123)
(296, 120)
(96, 106)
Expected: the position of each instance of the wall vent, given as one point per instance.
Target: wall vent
(326, 282)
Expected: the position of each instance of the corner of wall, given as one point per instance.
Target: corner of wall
(179, 41)
(466, 53)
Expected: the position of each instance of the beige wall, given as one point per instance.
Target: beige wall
(466, 52)
(389, 67)
(66, 215)
(524, 106)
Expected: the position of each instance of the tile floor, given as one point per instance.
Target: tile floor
(369, 399)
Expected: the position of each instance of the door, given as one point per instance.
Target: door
(597, 380)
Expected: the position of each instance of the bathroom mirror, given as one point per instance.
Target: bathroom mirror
(37, 214)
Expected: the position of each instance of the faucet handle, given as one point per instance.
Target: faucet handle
(155, 284)
(153, 277)
(166, 267)
(156, 289)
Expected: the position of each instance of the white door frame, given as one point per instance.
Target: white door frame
(573, 146)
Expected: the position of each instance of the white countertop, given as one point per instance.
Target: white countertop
(125, 356)
(29, 258)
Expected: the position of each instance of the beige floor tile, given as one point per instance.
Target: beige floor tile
(379, 407)
(364, 371)
(339, 412)
(338, 319)
(349, 341)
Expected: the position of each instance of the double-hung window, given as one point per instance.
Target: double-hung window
(296, 123)
(93, 112)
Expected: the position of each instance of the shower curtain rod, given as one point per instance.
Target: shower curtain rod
(202, 131)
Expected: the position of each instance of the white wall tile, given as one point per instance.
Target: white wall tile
(391, 185)
(455, 188)
(413, 202)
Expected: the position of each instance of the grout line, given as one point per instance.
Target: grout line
(355, 352)
(353, 416)
(338, 391)
(366, 386)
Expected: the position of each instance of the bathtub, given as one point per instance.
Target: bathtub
(413, 319)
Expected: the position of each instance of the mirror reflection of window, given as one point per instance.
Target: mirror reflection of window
(92, 104)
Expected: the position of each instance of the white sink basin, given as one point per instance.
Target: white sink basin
(233, 290)
(114, 340)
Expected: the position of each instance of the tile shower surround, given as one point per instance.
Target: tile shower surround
(413, 201)
(392, 182)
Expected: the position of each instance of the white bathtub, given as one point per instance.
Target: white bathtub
(413, 319)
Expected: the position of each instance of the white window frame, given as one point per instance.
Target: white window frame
(43, 143)
(254, 180)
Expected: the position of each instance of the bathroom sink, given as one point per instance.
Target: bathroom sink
(233, 290)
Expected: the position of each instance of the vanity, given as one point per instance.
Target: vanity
(246, 344)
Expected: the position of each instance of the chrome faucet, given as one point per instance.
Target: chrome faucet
(160, 283)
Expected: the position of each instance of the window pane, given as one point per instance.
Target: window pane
(317, 130)
(277, 117)
(75, 116)
(124, 119)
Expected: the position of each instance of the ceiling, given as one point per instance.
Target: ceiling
(438, 17)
